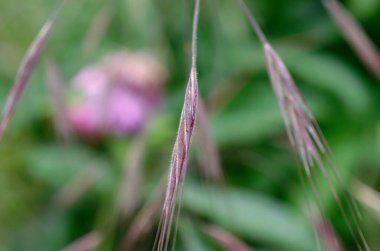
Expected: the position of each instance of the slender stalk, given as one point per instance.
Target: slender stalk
(252, 20)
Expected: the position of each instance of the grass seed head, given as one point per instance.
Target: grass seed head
(180, 154)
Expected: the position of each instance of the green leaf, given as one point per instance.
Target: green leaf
(250, 215)
(56, 165)
(256, 118)
(191, 238)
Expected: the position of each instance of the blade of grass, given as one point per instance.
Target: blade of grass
(26, 69)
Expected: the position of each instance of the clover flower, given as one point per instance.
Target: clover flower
(116, 96)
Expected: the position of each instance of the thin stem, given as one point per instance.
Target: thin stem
(194, 35)
(253, 22)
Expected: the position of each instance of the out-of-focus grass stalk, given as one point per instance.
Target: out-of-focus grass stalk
(26, 69)
(143, 222)
(87, 242)
(355, 36)
(180, 154)
(368, 197)
(130, 184)
(78, 186)
(220, 97)
(57, 94)
(96, 31)
(327, 234)
(226, 240)
(208, 153)
(306, 138)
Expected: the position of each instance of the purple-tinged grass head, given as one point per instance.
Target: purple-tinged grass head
(302, 133)
(178, 165)
(309, 144)
(180, 154)
(306, 138)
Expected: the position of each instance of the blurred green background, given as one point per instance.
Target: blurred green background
(263, 202)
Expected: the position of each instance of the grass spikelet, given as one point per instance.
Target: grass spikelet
(307, 139)
(26, 69)
(302, 133)
(180, 154)
(355, 36)
(308, 143)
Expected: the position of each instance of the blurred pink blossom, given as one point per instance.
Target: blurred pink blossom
(116, 96)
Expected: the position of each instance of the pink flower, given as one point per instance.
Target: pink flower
(116, 96)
